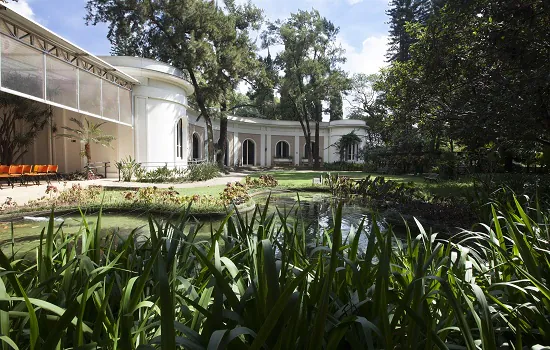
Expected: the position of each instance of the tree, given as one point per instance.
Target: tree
(402, 12)
(365, 102)
(336, 107)
(210, 43)
(478, 74)
(310, 64)
(21, 120)
(87, 134)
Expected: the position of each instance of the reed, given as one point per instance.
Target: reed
(258, 283)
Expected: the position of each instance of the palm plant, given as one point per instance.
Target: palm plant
(88, 133)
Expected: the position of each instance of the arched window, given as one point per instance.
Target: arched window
(282, 150)
(196, 146)
(249, 152)
(352, 152)
(179, 139)
(306, 153)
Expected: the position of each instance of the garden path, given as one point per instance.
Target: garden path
(23, 194)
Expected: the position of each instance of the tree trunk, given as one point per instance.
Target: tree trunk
(210, 140)
(316, 164)
(88, 152)
(309, 151)
(222, 141)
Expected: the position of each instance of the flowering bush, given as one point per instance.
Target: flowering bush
(76, 194)
(9, 203)
(155, 195)
(236, 193)
(262, 181)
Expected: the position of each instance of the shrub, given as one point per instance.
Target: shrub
(235, 192)
(202, 171)
(344, 166)
(262, 181)
(74, 195)
(128, 168)
(161, 174)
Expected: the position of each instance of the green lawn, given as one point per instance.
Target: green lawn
(297, 179)
(209, 190)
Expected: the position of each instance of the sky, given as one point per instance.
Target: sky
(363, 25)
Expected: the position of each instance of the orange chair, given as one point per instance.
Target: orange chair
(28, 174)
(52, 171)
(16, 172)
(40, 171)
(5, 174)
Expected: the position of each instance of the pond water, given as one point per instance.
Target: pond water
(315, 209)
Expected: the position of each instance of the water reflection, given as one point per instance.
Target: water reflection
(314, 211)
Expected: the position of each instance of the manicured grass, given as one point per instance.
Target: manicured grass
(209, 190)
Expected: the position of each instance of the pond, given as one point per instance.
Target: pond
(315, 210)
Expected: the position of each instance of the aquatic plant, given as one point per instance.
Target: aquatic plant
(257, 284)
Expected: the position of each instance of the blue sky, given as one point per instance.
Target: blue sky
(363, 27)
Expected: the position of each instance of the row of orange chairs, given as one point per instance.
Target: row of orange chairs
(26, 173)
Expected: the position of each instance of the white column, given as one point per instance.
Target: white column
(296, 150)
(236, 148)
(262, 149)
(268, 153)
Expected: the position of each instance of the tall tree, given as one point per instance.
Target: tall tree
(210, 43)
(336, 106)
(366, 104)
(402, 13)
(310, 66)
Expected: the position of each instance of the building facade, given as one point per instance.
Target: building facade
(143, 103)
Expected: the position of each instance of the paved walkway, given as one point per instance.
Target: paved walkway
(23, 194)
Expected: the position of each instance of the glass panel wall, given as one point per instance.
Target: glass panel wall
(61, 82)
(125, 98)
(22, 68)
(90, 93)
(110, 100)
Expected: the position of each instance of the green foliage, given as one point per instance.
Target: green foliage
(263, 181)
(235, 193)
(128, 167)
(346, 141)
(208, 41)
(343, 166)
(202, 172)
(87, 133)
(377, 188)
(310, 67)
(172, 291)
(161, 174)
(21, 121)
(476, 75)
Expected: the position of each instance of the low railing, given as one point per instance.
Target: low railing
(171, 165)
(98, 165)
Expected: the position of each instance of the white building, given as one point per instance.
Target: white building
(144, 104)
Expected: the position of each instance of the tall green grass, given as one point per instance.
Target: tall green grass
(258, 283)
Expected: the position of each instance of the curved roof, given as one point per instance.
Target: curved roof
(150, 68)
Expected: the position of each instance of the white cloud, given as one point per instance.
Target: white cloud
(22, 7)
(353, 2)
(370, 58)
